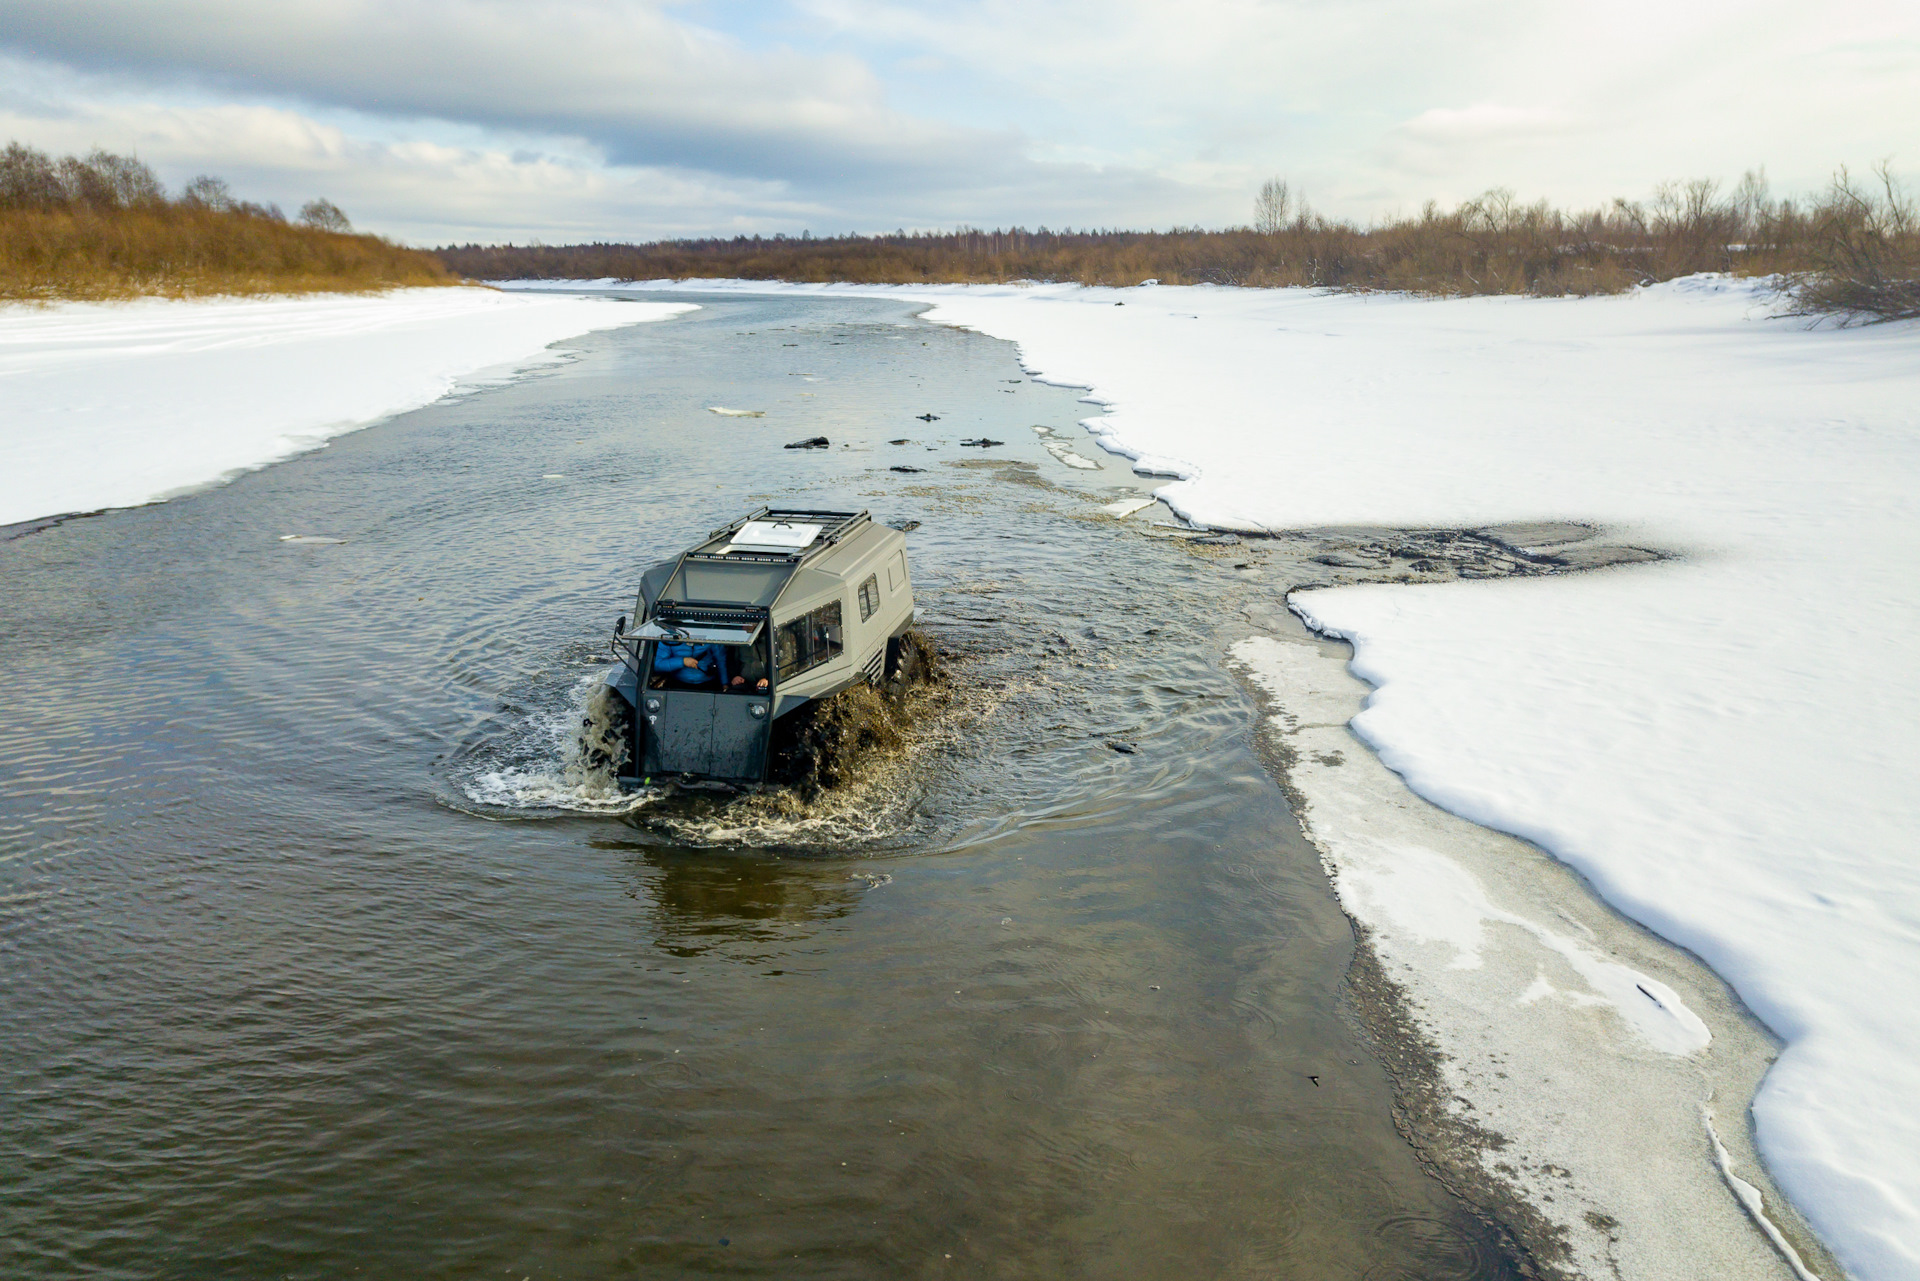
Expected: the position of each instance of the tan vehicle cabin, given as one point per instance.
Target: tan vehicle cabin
(777, 609)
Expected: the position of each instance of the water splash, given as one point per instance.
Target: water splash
(556, 760)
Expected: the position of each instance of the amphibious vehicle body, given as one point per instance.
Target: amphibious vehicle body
(778, 609)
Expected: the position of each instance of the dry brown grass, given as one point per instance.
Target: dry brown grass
(101, 227)
(182, 252)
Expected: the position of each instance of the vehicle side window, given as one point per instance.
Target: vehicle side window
(809, 640)
(828, 641)
(790, 644)
(869, 597)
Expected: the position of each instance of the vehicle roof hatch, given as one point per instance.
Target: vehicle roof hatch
(772, 536)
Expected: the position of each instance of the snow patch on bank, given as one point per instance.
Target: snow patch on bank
(1432, 898)
(117, 404)
(1572, 1049)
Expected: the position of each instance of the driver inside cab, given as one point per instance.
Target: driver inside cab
(689, 663)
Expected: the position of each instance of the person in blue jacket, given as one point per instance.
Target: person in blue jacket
(690, 663)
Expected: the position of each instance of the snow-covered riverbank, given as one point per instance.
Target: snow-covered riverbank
(116, 404)
(1724, 744)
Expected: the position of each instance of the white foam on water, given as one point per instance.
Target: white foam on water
(550, 769)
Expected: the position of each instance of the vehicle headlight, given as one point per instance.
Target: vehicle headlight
(653, 704)
(757, 710)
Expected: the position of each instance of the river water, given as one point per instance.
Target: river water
(321, 960)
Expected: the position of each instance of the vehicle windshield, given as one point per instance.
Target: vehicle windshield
(716, 669)
(746, 667)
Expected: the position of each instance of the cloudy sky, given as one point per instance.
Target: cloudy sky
(456, 120)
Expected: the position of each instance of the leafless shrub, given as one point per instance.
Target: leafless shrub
(1495, 243)
(1865, 244)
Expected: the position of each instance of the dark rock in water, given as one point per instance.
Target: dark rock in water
(928, 418)
(1125, 749)
(811, 442)
(982, 443)
(902, 441)
(904, 526)
(912, 470)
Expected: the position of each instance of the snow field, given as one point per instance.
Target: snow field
(117, 404)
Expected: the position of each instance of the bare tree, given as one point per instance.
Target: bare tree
(29, 179)
(324, 215)
(1271, 206)
(1752, 203)
(208, 192)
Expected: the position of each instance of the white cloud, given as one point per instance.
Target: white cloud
(1448, 126)
(631, 118)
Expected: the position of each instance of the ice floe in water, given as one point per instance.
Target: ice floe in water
(1062, 450)
(1126, 506)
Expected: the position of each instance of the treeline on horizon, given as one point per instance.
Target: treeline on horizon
(1854, 248)
(103, 226)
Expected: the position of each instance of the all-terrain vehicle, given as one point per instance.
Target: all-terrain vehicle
(779, 609)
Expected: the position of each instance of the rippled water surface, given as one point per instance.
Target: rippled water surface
(318, 959)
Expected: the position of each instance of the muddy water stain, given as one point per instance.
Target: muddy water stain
(313, 963)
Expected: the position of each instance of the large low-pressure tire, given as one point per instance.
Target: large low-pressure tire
(606, 733)
(906, 663)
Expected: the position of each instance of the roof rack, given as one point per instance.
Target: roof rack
(834, 525)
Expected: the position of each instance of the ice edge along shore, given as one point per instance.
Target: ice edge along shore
(119, 404)
(1551, 1059)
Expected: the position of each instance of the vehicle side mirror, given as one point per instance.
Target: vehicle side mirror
(620, 627)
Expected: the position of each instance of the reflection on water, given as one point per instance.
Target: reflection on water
(323, 956)
(738, 907)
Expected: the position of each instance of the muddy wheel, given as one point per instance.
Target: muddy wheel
(906, 663)
(606, 733)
